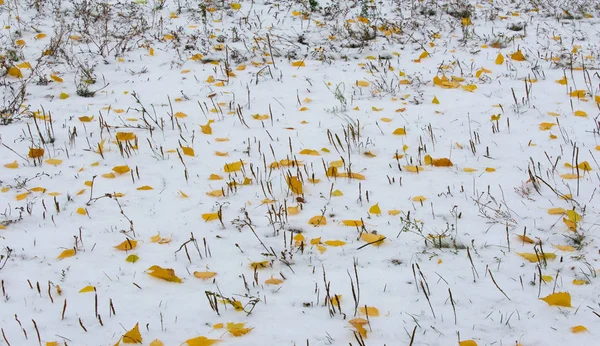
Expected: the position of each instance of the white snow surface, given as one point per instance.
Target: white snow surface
(338, 80)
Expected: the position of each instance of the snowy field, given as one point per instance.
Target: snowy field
(308, 172)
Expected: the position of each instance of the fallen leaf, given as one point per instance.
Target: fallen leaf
(294, 184)
(238, 329)
(210, 216)
(273, 281)
(127, 245)
(132, 258)
(35, 153)
(467, 343)
(359, 323)
(121, 169)
(578, 329)
(517, 56)
(204, 275)
(133, 336)
(125, 136)
(66, 253)
(318, 220)
(376, 239)
(533, 257)
(558, 299)
(55, 162)
(334, 242)
(145, 188)
(167, 274)
(401, 131)
(375, 209)
(12, 165)
(352, 223)
(369, 311)
(201, 341)
(87, 289)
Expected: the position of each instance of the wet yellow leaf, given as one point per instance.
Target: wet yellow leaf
(63, 96)
(318, 220)
(233, 166)
(12, 165)
(467, 343)
(55, 162)
(298, 63)
(81, 211)
(359, 323)
(578, 329)
(163, 273)
(334, 243)
(558, 299)
(132, 258)
(375, 209)
(517, 56)
(499, 59)
(66, 253)
(294, 184)
(125, 136)
(309, 152)
(469, 87)
(546, 126)
(121, 169)
(352, 223)
(567, 248)
(273, 281)
(15, 72)
(35, 153)
(215, 177)
(201, 341)
(87, 289)
(187, 151)
(204, 275)
(337, 193)
(562, 81)
(580, 113)
(133, 336)
(127, 245)
(401, 131)
(180, 115)
(376, 239)
(525, 239)
(414, 169)
(419, 199)
(362, 83)
(238, 329)
(21, 196)
(580, 282)
(533, 257)
(210, 216)
(369, 311)
(108, 175)
(435, 101)
(547, 278)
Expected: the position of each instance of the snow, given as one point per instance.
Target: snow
(335, 80)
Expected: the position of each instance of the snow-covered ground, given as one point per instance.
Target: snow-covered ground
(299, 172)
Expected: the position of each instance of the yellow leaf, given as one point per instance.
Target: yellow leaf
(167, 274)
(562, 81)
(569, 176)
(215, 193)
(386, 120)
(48, 343)
(469, 170)
(259, 265)
(56, 78)
(567, 248)
(21, 196)
(127, 245)
(237, 329)
(63, 96)
(558, 299)
(318, 220)
(525, 239)
(578, 329)
(309, 152)
(15, 72)
(235, 6)
(435, 101)
(197, 57)
(204, 275)
(210, 216)
(419, 198)
(517, 56)
(151, 51)
(81, 211)
(125, 136)
(570, 224)
(394, 212)
(401, 131)
(221, 153)
(335, 242)
(55, 162)
(180, 115)
(233, 166)
(369, 311)
(375, 209)
(145, 188)
(35, 153)
(214, 177)
(359, 323)
(293, 210)
(273, 281)
(597, 98)
(298, 63)
(187, 151)
(578, 93)
(580, 282)
(573, 216)
(260, 117)
(467, 343)
(580, 113)
(362, 83)
(87, 289)
(133, 336)
(201, 341)
(12, 165)
(132, 258)
(108, 175)
(376, 239)
(157, 343)
(533, 257)
(337, 164)
(206, 129)
(499, 59)
(547, 278)
(546, 126)
(121, 169)
(352, 223)
(295, 185)
(66, 253)
(469, 87)
(414, 169)
(337, 193)
(466, 21)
